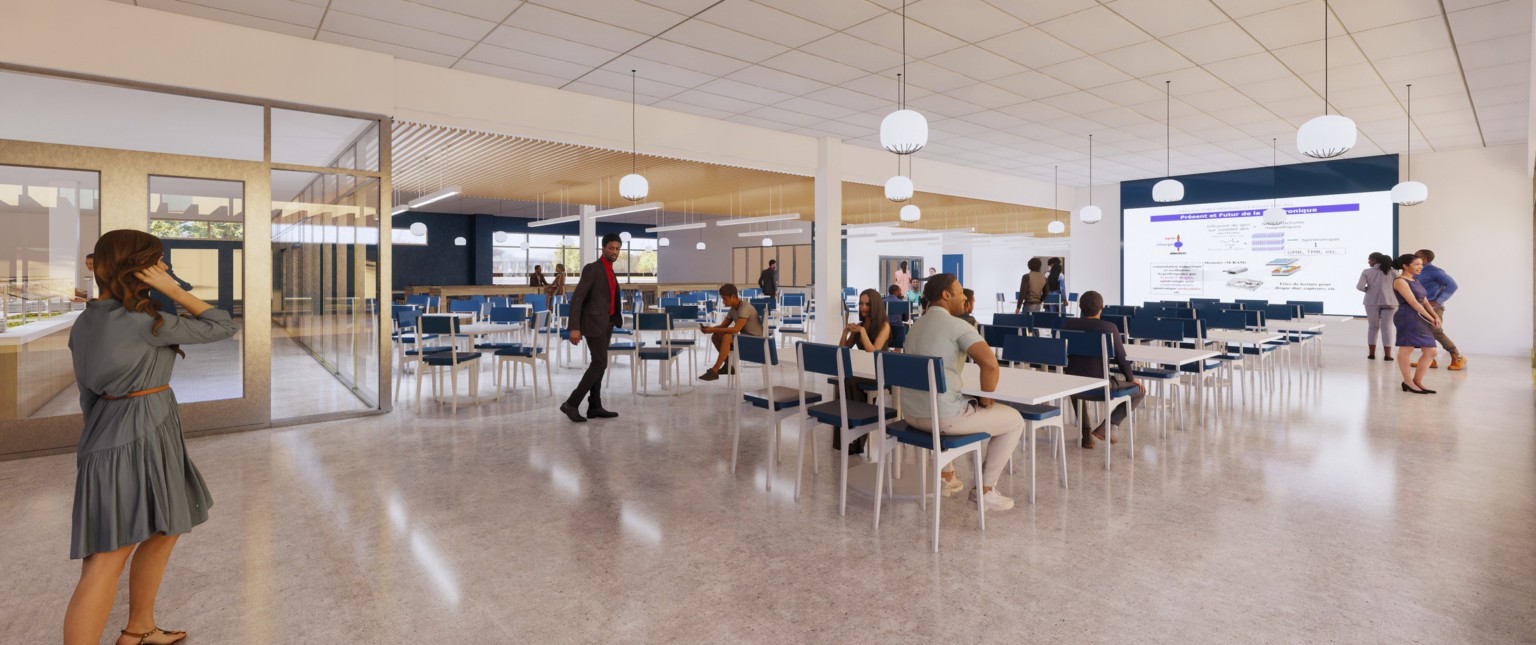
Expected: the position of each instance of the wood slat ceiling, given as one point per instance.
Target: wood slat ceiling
(496, 166)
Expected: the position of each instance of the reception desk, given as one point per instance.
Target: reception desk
(35, 365)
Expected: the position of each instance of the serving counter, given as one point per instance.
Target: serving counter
(35, 365)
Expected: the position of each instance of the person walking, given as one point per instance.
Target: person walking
(136, 491)
(594, 313)
(1031, 288)
(768, 280)
(1439, 286)
(1376, 282)
(1415, 321)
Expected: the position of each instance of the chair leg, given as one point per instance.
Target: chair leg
(938, 484)
(880, 468)
(981, 502)
(842, 496)
(800, 458)
(1034, 432)
(735, 437)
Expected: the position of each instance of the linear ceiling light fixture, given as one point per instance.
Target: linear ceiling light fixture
(675, 227)
(924, 231)
(848, 227)
(1410, 193)
(1167, 190)
(737, 221)
(1329, 135)
(626, 210)
(632, 186)
(435, 196)
(780, 231)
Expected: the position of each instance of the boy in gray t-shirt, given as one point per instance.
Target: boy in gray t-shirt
(740, 318)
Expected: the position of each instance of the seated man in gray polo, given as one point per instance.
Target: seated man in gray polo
(940, 332)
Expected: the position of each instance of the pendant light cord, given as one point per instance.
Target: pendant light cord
(1408, 132)
(1167, 128)
(634, 146)
(903, 98)
(1325, 57)
(1090, 170)
(1274, 181)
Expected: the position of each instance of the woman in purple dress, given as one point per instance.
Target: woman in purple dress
(1415, 322)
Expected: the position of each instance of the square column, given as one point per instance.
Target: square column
(588, 237)
(828, 236)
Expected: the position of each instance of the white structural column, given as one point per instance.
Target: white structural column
(588, 239)
(828, 238)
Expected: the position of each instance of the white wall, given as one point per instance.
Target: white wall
(681, 262)
(1094, 262)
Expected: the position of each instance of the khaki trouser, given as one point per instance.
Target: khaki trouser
(1445, 341)
(1005, 424)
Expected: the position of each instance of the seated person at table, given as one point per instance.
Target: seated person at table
(1091, 304)
(941, 333)
(741, 318)
(970, 306)
(870, 334)
(893, 294)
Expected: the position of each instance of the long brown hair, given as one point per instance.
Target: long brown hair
(120, 255)
(876, 320)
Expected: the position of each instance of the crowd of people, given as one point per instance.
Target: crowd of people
(1405, 308)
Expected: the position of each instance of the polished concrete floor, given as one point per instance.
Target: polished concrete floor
(1337, 509)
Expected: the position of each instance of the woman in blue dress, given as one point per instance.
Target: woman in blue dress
(1415, 321)
(136, 491)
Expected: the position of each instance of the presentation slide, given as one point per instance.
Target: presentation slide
(1224, 250)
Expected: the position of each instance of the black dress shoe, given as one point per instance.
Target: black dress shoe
(594, 412)
(572, 413)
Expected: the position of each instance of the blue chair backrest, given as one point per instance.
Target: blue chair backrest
(565, 310)
(1052, 299)
(821, 358)
(1153, 304)
(394, 310)
(464, 307)
(1047, 320)
(1226, 320)
(849, 292)
(1118, 321)
(653, 322)
(1013, 320)
(1151, 312)
(898, 310)
(1087, 343)
(1119, 310)
(683, 312)
(762, 312)
(1252, 318)
(794, 300)
(757, 349)
(1205, 309)
(1308, 307)
(1158, 329)
(898, 337)
(508, 315)
(996, 335)
(1072, 297)
(670, 302)
(539, 301)
(910, 371)
(407, 317)
(1196, 302)
(420, 300)
(1256, 305)
(1278, 312)
(1039, 351)
(1178, 312)
(440, 325)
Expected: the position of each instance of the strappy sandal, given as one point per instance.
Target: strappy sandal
(142, 637)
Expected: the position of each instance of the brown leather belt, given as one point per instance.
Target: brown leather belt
(138, 393)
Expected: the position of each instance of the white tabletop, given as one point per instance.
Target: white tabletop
(489, 328)
(1298, 325)
(1017, 385)
(1327, 319)
(1240, 337)
(1160, 355)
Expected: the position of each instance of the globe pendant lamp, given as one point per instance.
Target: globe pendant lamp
(1056, 227)
(664, 242)
(1167, 190)
(1329, 135)
(632, 186)
(1274, 215)
(500, 237)
(700, 246)
(1410, 193)
(903, 131)
(898, 188)
(1090, 214)
(767, 241)
(911, 213)
(418, 229)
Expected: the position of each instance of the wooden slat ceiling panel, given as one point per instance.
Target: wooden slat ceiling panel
(428, 157)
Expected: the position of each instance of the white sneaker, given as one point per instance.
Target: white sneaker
(952, 486)
(995, 501)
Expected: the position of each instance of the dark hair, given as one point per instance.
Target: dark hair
(1090, 303)
(893, 290)
(903, 265)
(612, 237)
(969, 294)
(90, 256)
(538, 268)
(1428, 255)
(937, 286)
(1053, 262)
(1383, 262)
(727, 290)
(877, 319)
(560, 268)
(1034, 264)
(123, 254)
(1403, 261)
(772, 262)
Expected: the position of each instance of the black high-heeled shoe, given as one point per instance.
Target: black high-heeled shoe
(1424, 389)
(1409, 389)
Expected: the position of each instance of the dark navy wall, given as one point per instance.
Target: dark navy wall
(1365, 174)
(442, 263)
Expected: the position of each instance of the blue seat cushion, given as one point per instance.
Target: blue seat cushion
(1281, 343)
(1032, 412)
(496, 346)
(859, 414)
(429, 351)
(411, 338)
(1252, 351)
(1098, 394)
(622, 347)
(1149, 372)
(622, 332)
(658, 353)
(924, 438)
(784, 397)
(446, 358)
(524, 352)
(1193, 367)
(681, 343)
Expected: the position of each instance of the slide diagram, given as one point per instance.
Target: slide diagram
(1269, 241)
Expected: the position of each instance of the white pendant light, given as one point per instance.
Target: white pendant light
(500, 237)
(767, 241)
(898, 189)
(1090, 214)
(700, 246)
(632, 186)
(419, 229)
(1056, 227)
(1167, 190)
(1329, 135)
(664, 242)
(524, 245)
(625, 236)
(1274, 215)
(1410, 193)
(911, 213)
(459, 241)
(903, 131)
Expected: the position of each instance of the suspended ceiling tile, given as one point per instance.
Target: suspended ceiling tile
(680, 106)
(1035, 12)
(716, 101)
(784, 116)
(813, 67)
(1117, 117)
(943, 105)
(822, 109)
(1490, 21)
(684, 7)
(1217, 42)
(1502, 112)
(1252, 68)
(1079, 103)
(931, 77)
(643, 86)
(618, 95)
(1434, 85)
(647, 70)
(628, 14)
(1405, 69)
(734, 89)
(726, 42)
(299, 20)
(922, 41)
(987, 96)
(399, 51)
(1146, 59)
(1094, 30)
(1031, 47)
(976, 63)
(1036, 111)
(833, 15)
(1518, 93)
(841, 129)
(1192, 80)
(1412, 37)
(1443, 103)
(776, 80)
(859, 53)
(1496, 51)
(1224, 98)
(301, 13)
(683, 56)
(860, 101)
(968, 20)
(1167, 17)
(566, 26)
(1243, 115)
(1359, 15)
(1499, 76)
(524, 61)
(414, 15)
(994, 119)
(388, 32)
(492, 10)
(1128, 92)
(521, 76)
(1502, 131)
(537, 43)
(1309, 57)
(1290, 25)
(1085, 73)
(765, 22)
(1033, 85)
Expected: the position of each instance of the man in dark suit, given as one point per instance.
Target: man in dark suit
(594, 313)
(768, 281)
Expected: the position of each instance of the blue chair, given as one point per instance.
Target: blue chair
(669, 302)
(779, 402)
(536, 301)
(1093, 344)
(1196, 302)
(1120, 310)
(512, 317)
(898, 310)
(1308, 307)
(898, 338)
(665, 351)
(925, 374)
(408, 336)
(1052, 303)
(464, 307)
(448, 359)
(420, 300)
(1013, 320)
(1046, 320)
(854, 418)
(1052, 354)
(531, 355)
(996, 335)
(1254, 305)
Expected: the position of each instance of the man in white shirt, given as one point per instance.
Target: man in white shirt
(940, 332)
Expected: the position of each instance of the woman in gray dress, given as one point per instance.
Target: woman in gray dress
(135, 489)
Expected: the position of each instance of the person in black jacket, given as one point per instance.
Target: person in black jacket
(1091, 304)
(769, 280)
(594, 313)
